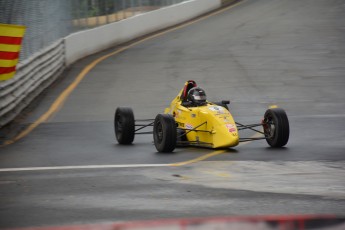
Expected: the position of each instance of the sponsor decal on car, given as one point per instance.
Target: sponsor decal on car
(189, 126)
(218, 109)
(231, 128)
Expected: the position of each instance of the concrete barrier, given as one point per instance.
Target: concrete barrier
(81, 44)
(228, 2)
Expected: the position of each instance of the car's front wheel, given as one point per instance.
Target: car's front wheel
(164, 133)
(276, 127)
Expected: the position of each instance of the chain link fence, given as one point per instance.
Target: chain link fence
(50, 20)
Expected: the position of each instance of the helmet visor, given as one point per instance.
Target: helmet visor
(199, 97)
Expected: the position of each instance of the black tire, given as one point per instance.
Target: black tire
(124, 125)
(276, 127)
(164, 133)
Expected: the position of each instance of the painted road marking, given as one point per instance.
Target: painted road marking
(82, 167)
(59, 102)
(198, 159)
(292, 177)
(201, 158)
(273, 106)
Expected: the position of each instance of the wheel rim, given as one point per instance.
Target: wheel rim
(119, 125)
(159, 132)
(269, 127)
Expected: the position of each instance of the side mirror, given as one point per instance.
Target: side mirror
(225, 102)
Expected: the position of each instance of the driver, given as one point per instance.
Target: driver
(196, 97)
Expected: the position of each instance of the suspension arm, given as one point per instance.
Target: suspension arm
(144, 126)
(194, 129)
(242, 126)
(251, 139)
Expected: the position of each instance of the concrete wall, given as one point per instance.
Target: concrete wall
(87, 42)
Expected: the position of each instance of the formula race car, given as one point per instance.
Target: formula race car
(191, 120)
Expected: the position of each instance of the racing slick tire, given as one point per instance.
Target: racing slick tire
(164, 133)
(276, 127)
(124, 125)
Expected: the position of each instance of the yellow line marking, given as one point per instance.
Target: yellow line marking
(217, 173)
(58, 103)
(81, 167)
(204, 157)
(273, 106)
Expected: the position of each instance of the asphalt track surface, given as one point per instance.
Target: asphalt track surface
(288, 53)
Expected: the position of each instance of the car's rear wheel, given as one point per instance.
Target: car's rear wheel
(124, 125)
(164, 133)
(276, 127)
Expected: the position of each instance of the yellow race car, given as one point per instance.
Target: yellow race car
(192, 120)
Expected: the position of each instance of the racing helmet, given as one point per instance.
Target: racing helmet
(197, 96)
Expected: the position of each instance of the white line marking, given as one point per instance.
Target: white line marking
(320, 116)
(82, 167)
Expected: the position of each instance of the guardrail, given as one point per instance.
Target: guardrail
(32, 77)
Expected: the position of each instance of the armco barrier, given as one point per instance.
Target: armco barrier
(39, 71)
(32, 77)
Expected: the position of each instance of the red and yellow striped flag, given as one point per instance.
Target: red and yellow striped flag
(10, 42)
